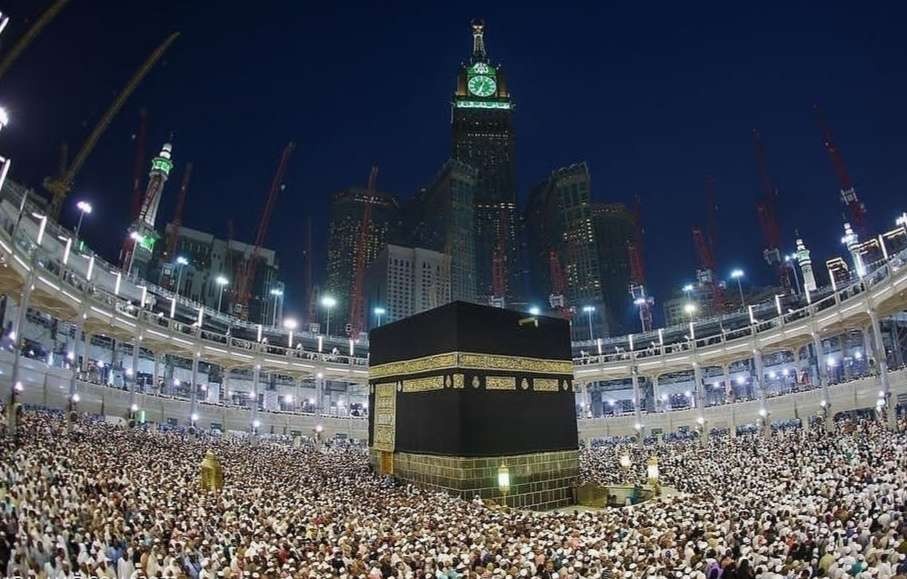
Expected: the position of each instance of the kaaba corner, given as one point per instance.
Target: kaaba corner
(476, 400)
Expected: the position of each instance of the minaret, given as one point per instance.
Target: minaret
(142, 232)
(806, 266)
(160, 170)
(852, 242)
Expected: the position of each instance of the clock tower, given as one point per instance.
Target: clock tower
(482, 127)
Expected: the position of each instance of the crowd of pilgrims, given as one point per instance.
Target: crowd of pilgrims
(98, 500)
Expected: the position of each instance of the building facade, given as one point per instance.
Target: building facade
(559, 222)
(615, 228)
(483, 138)
(442, 218)
(403, 281)
(208, 258)
(344, 231)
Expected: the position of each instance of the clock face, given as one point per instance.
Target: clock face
(481, 85)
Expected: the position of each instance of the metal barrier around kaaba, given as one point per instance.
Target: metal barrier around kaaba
(476, 401)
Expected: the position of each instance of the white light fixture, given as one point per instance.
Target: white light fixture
(504, 479)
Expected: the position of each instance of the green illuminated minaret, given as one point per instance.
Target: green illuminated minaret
(143, 232)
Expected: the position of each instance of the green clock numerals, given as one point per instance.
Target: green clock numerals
(481, 85)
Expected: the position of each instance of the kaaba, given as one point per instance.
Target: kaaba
(476, 401)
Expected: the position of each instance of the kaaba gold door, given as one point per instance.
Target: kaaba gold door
(386, 462)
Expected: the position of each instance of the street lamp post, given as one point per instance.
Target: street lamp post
(137, 238)
(83, 207)
(589, 310)
(737, 274)
(290, 324)
(328, 303)
(222, 282)
(278, 299)
(180, 263)
(379, 311)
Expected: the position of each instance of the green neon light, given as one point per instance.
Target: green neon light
(148, 242)
(161, 164)
(482, 105)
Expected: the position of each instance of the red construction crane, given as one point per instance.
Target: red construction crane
(558, 299)
(499, 260)
(855, 207)
(309, 256)
(712, 216)
(245, 279)
(637, 286)
(177, 221)
(138, 165)
(360, 260)
(138, 168)
(766, 211)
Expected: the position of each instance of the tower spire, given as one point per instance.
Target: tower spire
(478, 39)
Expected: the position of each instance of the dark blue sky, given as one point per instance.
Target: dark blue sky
(654, 97)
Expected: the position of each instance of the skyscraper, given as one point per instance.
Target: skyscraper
(615, 227)
(559, 219)
(482, 130)
(347, 211)
(442, 218)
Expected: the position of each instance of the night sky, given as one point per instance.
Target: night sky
(653, 97)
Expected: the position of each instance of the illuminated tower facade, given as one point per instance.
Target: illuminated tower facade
(806, 266)
(483, 138)
(160, 171)
(142, 232)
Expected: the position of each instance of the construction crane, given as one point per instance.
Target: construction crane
(309, 255)
(637, 286)
(60, 186)
(855, 207)
(360, 260)
(30, 35)
(243, 288)
(177, 221)
(557, 299)
(138, 168)
(499, 261)
(766, 211)
(711, 216)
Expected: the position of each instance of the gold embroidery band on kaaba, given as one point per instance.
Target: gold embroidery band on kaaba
(545, 384)
(500, 383)
(423, 384)
(471, 361)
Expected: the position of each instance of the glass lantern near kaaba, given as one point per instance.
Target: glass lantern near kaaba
(463, 392)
